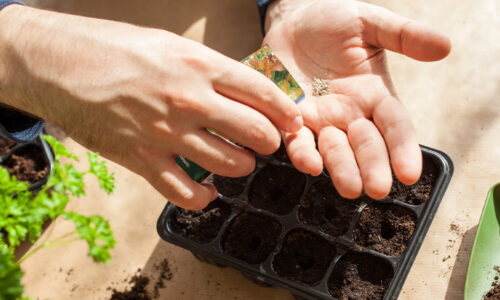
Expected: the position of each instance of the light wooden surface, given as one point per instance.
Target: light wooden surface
(454, 104)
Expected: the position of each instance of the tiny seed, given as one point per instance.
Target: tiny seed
(320, 87)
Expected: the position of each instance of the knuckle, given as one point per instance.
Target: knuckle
(240, 167)
(188, 103)
(267, 97)
(198, 63)
(259, 132)
(232, 166)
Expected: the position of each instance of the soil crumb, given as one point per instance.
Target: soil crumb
(454, 228)
(494, 293)
(138, 289)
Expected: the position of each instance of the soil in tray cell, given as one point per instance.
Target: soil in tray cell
(419, 192)
(360, 276)
(276, 189)
(251, 237)
(305, 257)
(201, 226)
(27, 164)
(229, 187)
(6, 145)
(281, 154)
(385, 228)
(325, 209)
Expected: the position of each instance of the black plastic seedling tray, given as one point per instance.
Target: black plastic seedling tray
(292, 235)
(37, 150)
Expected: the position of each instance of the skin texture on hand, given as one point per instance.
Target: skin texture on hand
(141, 97)
(360, 126)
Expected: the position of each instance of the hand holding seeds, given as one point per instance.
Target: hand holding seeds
(335, 51)
(141, 97)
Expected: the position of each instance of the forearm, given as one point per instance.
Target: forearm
(47, 57)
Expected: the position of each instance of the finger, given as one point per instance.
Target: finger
(394, 123)
(301, 149)
(371, 155)
(340, 162)
(251, 88)
(177, 187)
(243, 125)
(216, 155)
(385, 29)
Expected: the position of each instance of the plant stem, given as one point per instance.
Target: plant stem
(29, 253)
(53, 243)
(49, 231)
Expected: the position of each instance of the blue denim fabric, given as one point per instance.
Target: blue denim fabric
(262, 5)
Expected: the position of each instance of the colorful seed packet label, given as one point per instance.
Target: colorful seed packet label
(264, 61)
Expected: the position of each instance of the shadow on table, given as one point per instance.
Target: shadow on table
(457, 279)
(193, 279)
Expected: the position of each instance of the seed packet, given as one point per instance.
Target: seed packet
(264, 61)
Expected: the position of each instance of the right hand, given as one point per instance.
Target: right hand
(141, 97)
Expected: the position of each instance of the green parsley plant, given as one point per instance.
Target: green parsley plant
(23, 213)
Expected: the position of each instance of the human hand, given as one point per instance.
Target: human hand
(343, 42)
(141, 97)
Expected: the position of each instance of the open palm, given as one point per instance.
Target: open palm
(359, 123)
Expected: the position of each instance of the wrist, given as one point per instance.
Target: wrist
(280, 9)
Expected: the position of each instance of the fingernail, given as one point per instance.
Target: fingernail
(297, 123)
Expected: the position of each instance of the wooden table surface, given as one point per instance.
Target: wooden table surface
(455, 106)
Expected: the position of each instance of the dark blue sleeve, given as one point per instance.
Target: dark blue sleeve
(14, 124)
(4, 3)
(262, 5)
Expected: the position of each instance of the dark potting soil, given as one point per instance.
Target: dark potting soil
(360, 276)
(201, 226)
(305, 257)
(281, 154)
(494, 293)
(251, 237)
(6, 145)
(27, 164)
(419, 192)
(276, 189)
(139, 283)
(325, 209)
(229, 187)
(137, 290)
(385, 228)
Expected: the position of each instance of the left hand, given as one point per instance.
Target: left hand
(361, 119)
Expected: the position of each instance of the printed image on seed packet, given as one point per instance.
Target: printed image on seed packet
(264, 61)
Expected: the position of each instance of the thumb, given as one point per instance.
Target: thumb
(385, 29)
